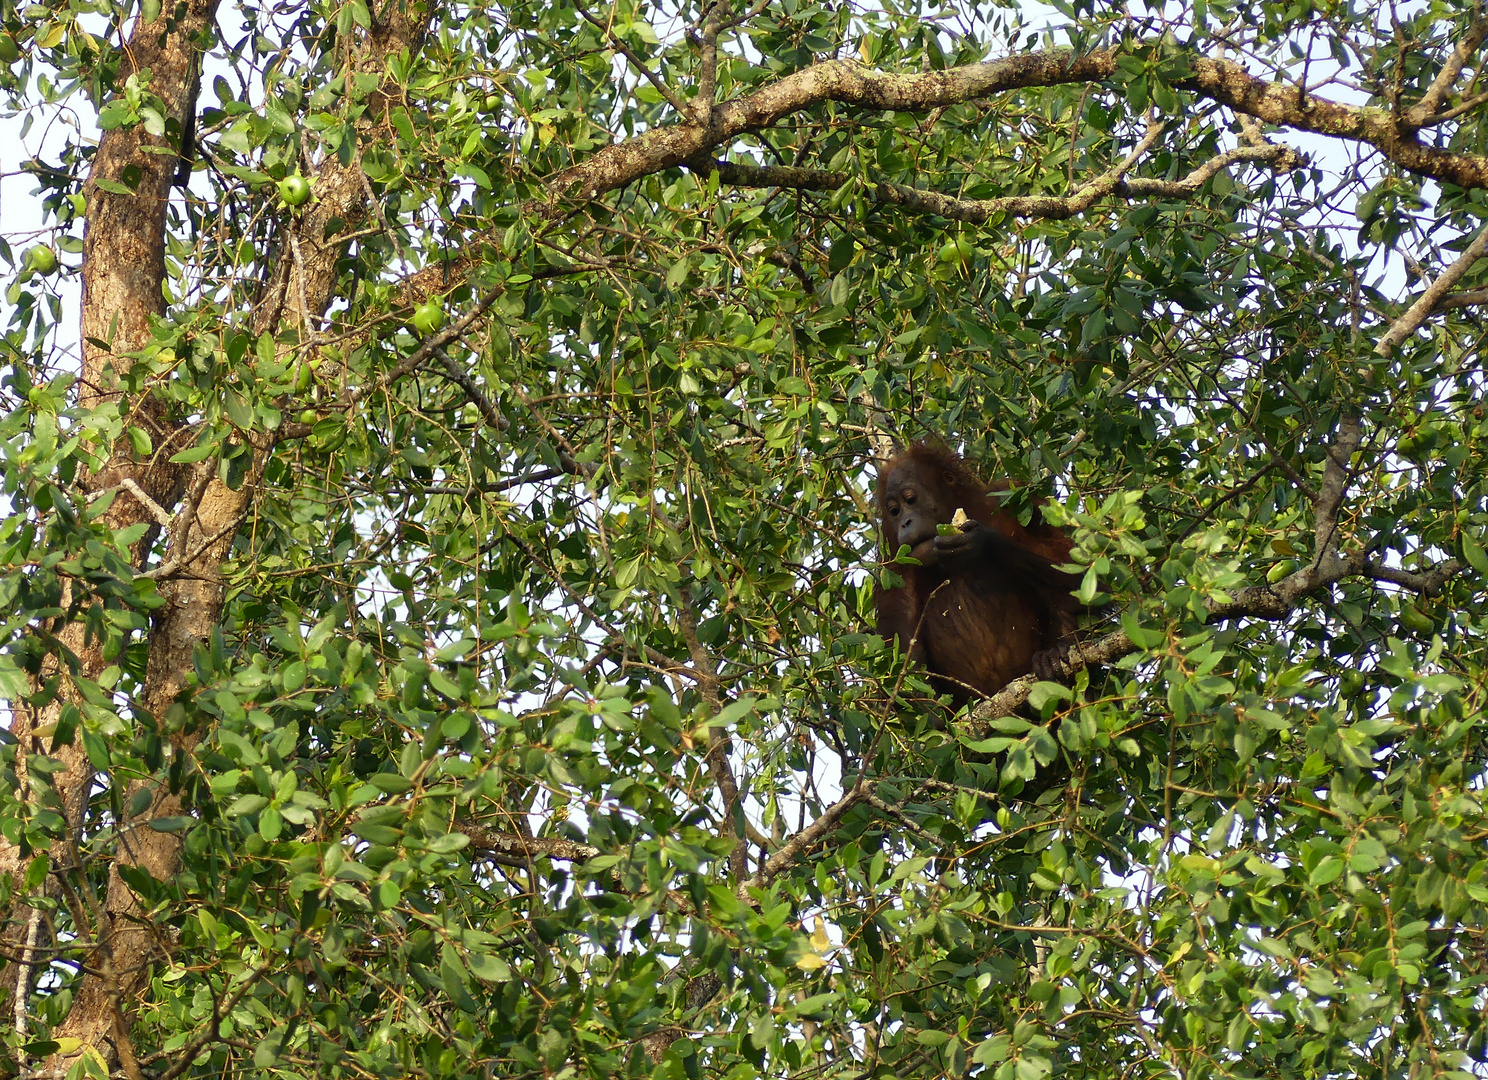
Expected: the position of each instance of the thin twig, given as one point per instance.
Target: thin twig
(462, 379)
(802, 841)
(979, 211)
(719, 743)
(158, 512)
(636, 62)
(189, 1052)
(170, 566)
(898, 814)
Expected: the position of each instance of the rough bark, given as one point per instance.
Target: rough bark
(123, 273)
(848, 83)
(123, 266)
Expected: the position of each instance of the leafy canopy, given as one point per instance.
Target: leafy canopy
(438, 570)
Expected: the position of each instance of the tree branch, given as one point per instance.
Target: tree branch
(707, 83)
(1426, 303)
(801, 842)
(979, 211)
(719, 743)
(187, 1055)
(515, 850)
(1464, 299)
(461, 378)
(1422, 111)
(846, 82)
(1334, 486)
(156, 511)
(635, 61)
(1257, 601)
(1428, 583)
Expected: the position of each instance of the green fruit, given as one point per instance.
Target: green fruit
(428, 316)
(294, 190)
(1416, 619)
(10, 52)
(309, 416)
(303, 377)
(957, 251)
(1283, 569)
(40, 258)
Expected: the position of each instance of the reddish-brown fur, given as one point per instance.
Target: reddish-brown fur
(983, 608)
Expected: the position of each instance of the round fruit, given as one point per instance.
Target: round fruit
(40, 258)
(957, 251)
(1283, 569)
(10, 52)
(309, 416)
(294, 190)
(428, 316)
(1416, 619)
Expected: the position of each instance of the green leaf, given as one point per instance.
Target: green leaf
(175, 824)
(246, 804)
(1326, 871)
(193, 454)
(1472, 551)
(389, 783)
(488, 968)
(678, 273)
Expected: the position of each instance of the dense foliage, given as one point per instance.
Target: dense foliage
(438, 574)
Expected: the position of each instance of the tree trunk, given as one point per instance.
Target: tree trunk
(123, 274)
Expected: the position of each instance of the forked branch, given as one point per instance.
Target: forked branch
(1222, 81)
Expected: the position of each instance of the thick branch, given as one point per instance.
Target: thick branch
(835, 80)
(1465, 299)
(1428, 583)
(845, 82)
(123, 267)
(707, 82)
(513, 849)
(156, 511)
(123, 244)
